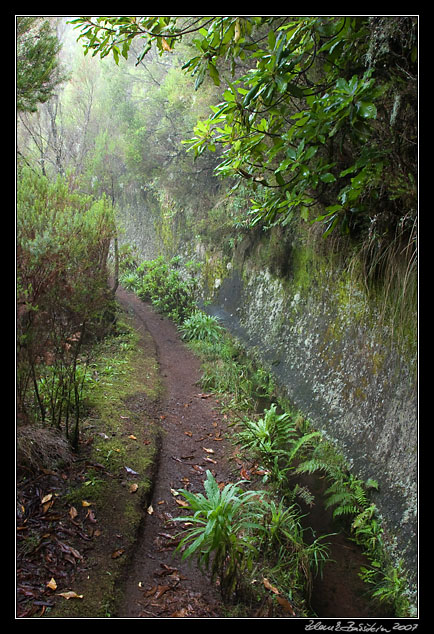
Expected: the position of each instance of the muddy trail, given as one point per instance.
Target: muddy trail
(158, 584)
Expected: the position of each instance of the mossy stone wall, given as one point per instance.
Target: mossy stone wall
(336, 356)
(338, 362)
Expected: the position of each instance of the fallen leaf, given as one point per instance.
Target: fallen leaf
(167, 570)
(179, 613)
(160, 591)
(46, 498)
(52, 584)
(130, 471)
(133, 488)
(150, 592)
(47, 506)
(244, 474)
(150, 510)
(208, 459)
(85, 503)
(173, 492)
(261, 472)
(181, 503)
(132, 437)
(208, 450)
(286, 605)
(268, 585)
(73, 512)
(125, 417)
(91, 516)
(70, 595)
(69, 551)
(118, 553)
(188, 433)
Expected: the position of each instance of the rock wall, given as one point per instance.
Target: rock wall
(335, 357)
(337, 362)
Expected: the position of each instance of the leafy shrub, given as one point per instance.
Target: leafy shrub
(269, 435)
(231, 530)
(130, 280)
(63, 240)
(219, 535)
(200, 326)
(166, 289)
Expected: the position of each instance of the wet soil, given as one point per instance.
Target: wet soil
(159, 584)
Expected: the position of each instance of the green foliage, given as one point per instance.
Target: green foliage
(200, 326)
(350, 498)
(227, 371)
(317, 115)
(37, 63)
(389, 586)
(131, 281)
(219, 537)
(268, 436)
(230, 531)
(164, 286)
(62, 246)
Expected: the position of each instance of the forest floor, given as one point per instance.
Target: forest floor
(119, 560)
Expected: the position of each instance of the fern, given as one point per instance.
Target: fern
(304, 494)
(305, 440)
(363, 517)
(313, 465)
(348, 496)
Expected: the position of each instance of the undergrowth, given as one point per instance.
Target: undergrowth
(229, 532)
(104, 486)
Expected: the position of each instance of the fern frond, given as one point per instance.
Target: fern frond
(305, 440)
(364, 516)
(313, 465)
(343, 498)
(304, 494)
(345, 509)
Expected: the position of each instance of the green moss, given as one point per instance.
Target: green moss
(305, 268)
(213, 271)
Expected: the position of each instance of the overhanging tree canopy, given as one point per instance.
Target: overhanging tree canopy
(318, 114)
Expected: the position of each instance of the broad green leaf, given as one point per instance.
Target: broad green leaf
(327, 177)
(214, 73)
(366, 110)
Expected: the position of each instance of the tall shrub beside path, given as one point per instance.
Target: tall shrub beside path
(63, 239)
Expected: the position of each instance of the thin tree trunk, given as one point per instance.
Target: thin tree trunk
(116, 277)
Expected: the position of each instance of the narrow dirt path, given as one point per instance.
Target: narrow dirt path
(159, 584)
